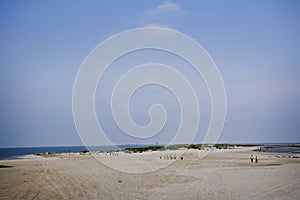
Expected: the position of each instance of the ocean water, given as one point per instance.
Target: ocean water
(282, 149)
(10, 153)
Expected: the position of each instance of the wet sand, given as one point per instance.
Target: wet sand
(222, 174)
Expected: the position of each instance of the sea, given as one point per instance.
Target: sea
(11, 153)
(282, 149)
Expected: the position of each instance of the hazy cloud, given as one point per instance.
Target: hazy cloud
(167, 7)
(163, 15)
(156, 25)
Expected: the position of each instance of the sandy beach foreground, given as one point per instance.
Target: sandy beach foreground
(222, 174)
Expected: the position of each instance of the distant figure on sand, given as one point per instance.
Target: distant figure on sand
(181, 157)
(256, 159)
(251, 158)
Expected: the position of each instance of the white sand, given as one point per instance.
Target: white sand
(222, 174)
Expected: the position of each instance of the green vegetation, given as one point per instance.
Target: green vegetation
(142, 149)
(195, 146)
(85, 152)
(178, 146)
(223, 146)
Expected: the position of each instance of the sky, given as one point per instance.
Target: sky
(254, 44)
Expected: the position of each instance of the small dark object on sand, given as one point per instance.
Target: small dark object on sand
(5, 166)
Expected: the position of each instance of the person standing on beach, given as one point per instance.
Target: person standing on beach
(251, 158)
(256, 159)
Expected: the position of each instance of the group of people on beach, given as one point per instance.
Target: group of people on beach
(169, 156)
(111, 153)
(252, 158)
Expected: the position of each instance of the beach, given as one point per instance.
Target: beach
(202, 174)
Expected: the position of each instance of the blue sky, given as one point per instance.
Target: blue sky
(255, 44)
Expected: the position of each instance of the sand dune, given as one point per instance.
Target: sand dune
(222, 174)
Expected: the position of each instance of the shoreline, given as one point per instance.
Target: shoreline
(248, 150)
(268, 148)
